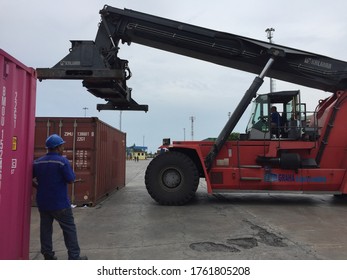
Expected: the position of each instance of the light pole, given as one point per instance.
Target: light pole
(120, 120)
(85, 111)
(269, 32)
(192, 119)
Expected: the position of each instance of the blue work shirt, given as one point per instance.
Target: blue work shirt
(53, 173)
(276, 118)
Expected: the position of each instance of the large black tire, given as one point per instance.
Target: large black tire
(172, 178)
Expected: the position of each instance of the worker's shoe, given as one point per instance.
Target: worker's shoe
(50, 256)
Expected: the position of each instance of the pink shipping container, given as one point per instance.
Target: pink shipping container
(17, 121)
(95, 150)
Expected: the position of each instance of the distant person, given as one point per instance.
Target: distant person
(52, 173)
(275, 121)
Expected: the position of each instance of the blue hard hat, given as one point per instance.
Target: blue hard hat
(54, 141)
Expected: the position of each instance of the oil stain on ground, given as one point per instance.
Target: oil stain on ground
(235, 245)
(212, 247)
(244, 243)
(268, 238)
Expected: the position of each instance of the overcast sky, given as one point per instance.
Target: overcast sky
(37, 32)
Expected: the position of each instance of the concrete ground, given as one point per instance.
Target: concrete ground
(129, 225)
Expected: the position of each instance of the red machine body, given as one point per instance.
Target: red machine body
(280, 165)
(305, 152)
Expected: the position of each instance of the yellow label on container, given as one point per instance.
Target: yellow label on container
(14, 143)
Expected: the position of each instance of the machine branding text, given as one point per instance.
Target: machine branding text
(64, 63)
(319, 63)
(272, 177)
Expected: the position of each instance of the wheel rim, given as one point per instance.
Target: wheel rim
(171, 178)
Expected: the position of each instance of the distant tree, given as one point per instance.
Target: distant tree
(234, 136)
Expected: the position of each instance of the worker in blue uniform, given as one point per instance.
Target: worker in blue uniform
(52, 173)
(275, 122)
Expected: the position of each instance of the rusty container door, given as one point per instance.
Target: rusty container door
(17, 125)
(110, 152)
(96, 152)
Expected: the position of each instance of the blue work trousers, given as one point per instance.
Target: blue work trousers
(66, 221)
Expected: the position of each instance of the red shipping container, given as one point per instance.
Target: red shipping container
(96, 151)
(17, 122)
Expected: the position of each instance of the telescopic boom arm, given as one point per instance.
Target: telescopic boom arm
(104, 74)
(297, 66)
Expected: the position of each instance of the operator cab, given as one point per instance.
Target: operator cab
(292, 116)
